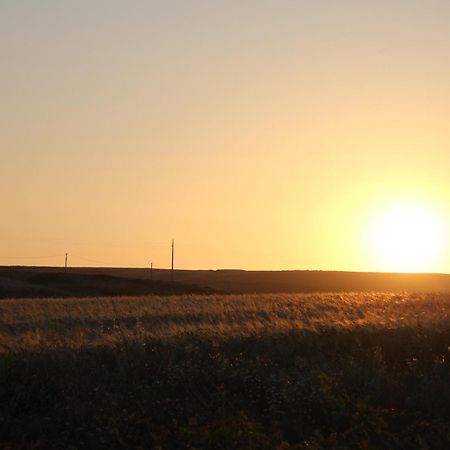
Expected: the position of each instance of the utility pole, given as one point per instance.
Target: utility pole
(171, 272)
(151, 271)
(65, 263)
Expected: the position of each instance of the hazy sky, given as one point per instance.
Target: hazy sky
(258, 134)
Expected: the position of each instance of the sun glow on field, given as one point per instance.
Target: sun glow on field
(408, 238)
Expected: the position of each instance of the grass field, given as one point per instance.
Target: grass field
(300, 371)
(20, 282)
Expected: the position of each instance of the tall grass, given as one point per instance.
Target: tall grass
(243, 371)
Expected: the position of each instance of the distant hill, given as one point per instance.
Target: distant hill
(131, 281)
(18, 283)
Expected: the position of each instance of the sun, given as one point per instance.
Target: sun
(407, 237)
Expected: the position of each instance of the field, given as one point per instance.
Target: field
(23, 282)
(260, 371)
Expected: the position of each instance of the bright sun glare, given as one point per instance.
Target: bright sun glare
(408, 238)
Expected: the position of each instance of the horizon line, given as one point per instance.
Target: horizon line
(219, 270)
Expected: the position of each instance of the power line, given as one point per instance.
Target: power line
(94, 261)
(31, 257)
(173, 248)
(88, 259)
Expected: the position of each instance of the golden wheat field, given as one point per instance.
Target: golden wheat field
(28, 324)
(261, 371)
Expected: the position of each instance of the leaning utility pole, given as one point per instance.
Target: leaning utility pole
(65, 263)
(171, 272)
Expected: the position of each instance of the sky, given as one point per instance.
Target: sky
(257, 134)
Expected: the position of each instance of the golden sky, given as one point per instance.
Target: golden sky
(257, 134)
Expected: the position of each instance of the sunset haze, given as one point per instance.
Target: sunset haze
(258, 134)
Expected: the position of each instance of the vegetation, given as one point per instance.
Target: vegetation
(39, 283)
(300, 371)
(20, 282)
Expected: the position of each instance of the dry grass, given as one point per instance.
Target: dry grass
(30, 324)
(356, 370)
